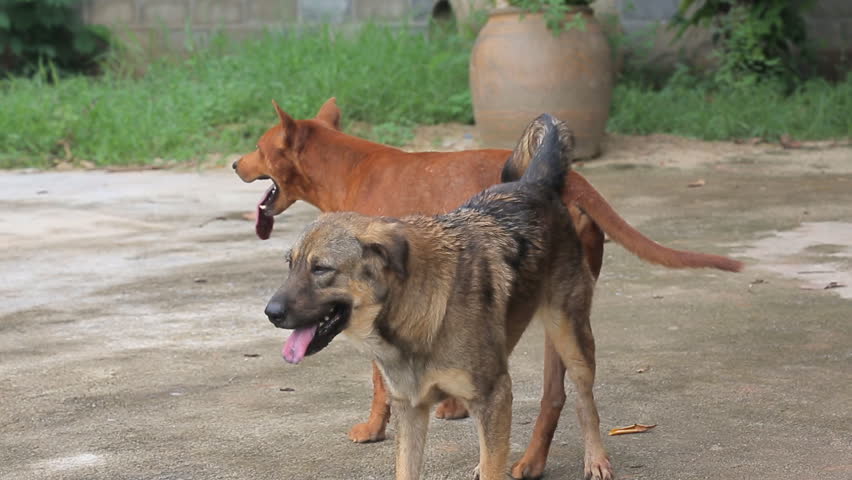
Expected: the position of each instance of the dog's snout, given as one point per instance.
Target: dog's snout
(276, 311)
(234, 165)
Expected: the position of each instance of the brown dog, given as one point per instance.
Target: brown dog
(312, 161)
(440, 302)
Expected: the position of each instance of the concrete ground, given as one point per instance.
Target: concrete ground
(133, 343)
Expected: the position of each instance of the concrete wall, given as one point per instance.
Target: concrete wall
(829, 22)
(829, 25)
(249, 14)
(166, 21)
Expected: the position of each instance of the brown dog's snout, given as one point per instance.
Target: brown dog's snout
(234, 165)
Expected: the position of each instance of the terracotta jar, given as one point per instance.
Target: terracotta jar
(520, 69)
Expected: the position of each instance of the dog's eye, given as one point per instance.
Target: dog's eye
(320, 269)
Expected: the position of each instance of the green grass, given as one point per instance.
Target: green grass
(696, 108)
(217, 99)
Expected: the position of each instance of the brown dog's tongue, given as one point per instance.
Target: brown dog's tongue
(263, 224)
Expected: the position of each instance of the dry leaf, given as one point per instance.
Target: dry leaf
(698, 183)
(133, 168)
(834, 285)
(788, 142)
(642, 369)
(635, 428)
(748, 141)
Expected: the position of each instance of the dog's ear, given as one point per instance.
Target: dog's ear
(288, 125)
(386, 241)
(329, 114)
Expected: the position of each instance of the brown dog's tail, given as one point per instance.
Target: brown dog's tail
(580, 192)
(584, 195)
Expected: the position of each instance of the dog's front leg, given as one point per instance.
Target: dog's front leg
(411, 426)
(494, 422)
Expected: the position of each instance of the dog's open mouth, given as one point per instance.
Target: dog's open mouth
(265, 210)
(310, 340)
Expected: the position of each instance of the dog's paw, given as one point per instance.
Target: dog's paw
(451, 409)
(476, 473)
(599, 468)
(366, 433)
(528, 468)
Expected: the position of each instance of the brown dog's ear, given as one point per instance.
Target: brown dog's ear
(387, 242)
(288, 125)
(329, 113)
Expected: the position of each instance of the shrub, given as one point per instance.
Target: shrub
(34, 32)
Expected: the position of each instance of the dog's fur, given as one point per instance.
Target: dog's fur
(311, 160)
(440, 302)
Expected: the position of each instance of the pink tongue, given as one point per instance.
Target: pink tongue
(297, 344)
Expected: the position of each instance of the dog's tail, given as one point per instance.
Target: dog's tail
(578, 191)
(592, 203)
(552, 159)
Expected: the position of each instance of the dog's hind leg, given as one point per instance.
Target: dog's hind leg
(531, 465)
(571, 333)
(412, 423)
(493, 416)
(373, 430)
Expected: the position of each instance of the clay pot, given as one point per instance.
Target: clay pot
(519, 69)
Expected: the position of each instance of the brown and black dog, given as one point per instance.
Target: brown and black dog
(312, 161)
(440, 302)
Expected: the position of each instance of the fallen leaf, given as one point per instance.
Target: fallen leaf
(657, 297)
(834, 285)
(133, 168)
(286, 389)
(200, 280)
(251, 355)
(642, 369)
(748, 141)
(635, 428)
(698, 183)
(788, 142)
